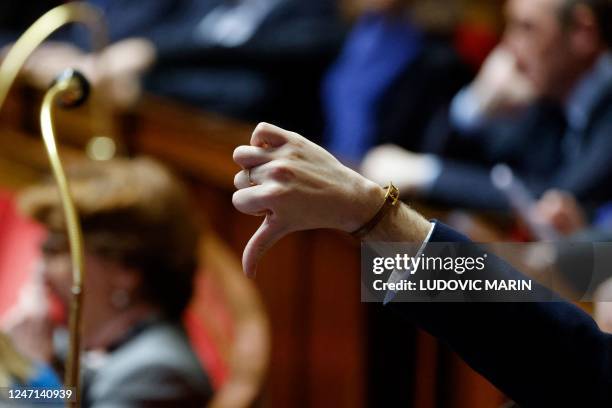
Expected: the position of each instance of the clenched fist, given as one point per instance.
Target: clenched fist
(297, 185)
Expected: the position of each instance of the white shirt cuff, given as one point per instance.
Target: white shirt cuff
(397, 277)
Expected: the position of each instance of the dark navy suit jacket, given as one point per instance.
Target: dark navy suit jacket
(541, 354)
(533, 146)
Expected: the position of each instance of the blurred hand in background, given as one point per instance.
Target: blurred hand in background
(411, 172)
(500, 87)
(562, 211)
(115, 72)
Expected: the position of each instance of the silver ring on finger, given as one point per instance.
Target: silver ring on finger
(251, 182)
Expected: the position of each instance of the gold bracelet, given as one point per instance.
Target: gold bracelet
(391, 200)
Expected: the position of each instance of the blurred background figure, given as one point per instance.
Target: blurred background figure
(397, 70)
(140, 238)
(250, 59)
(247, 59)
(552, 80)
(587, 242)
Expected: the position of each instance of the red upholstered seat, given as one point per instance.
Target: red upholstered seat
(19, 250)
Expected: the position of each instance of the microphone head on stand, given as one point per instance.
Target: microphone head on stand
(76, 88)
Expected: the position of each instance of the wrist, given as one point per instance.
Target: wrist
(402, 224)
(366, 204)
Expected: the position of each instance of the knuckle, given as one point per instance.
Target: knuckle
(237, 180)
(236, 201)
(261, 127)
(240, 203)
(297, 137)
(238, 153)
(282, 171)
(295, 153)
(298, 141)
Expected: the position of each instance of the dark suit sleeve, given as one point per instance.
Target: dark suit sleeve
(468, 158)
(541, 166)
(586, 178)
(589, 176)
(295, 30)
(419, 96)
(457, 183)
(539, 353)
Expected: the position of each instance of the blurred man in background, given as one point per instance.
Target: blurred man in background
(398, 68)
(553, 71)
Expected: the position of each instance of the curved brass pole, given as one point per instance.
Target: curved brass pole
(42, 28)
(70, 89)
(34, 36)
